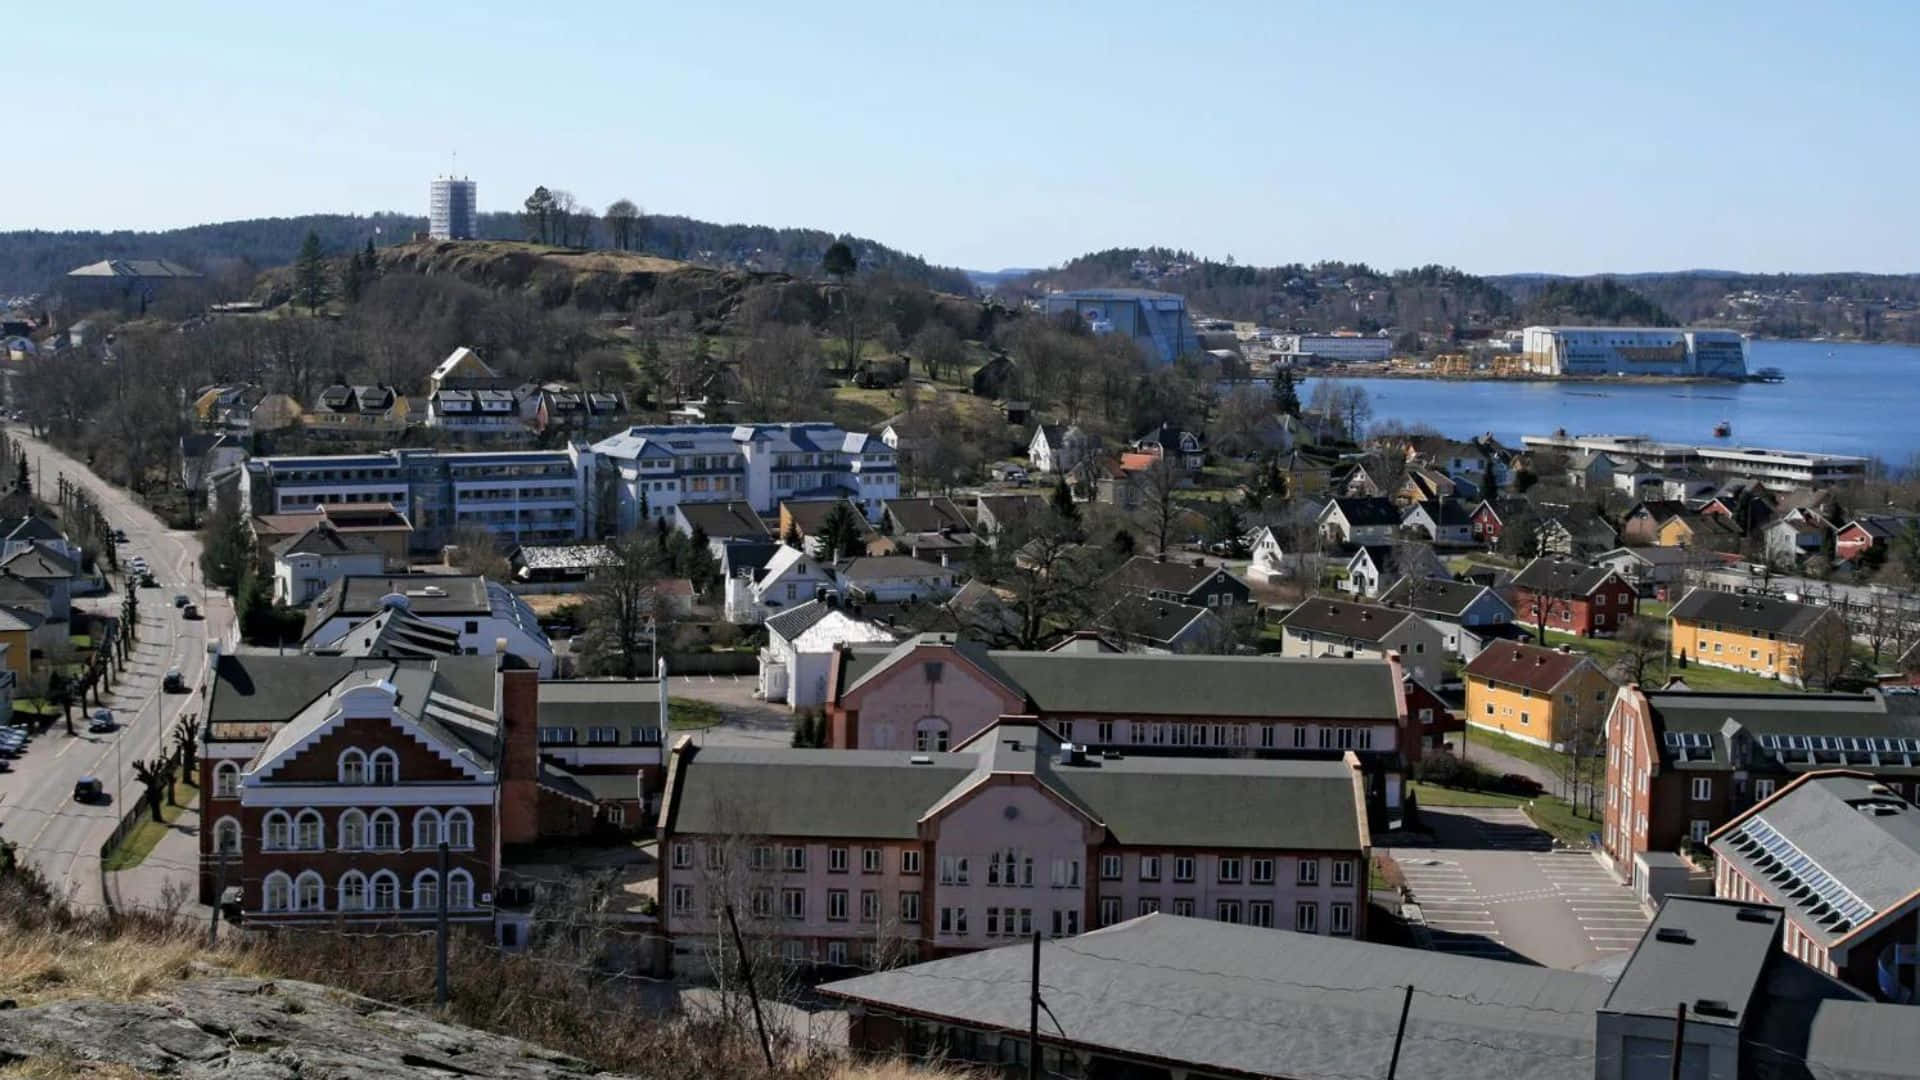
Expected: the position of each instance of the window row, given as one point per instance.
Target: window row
(606, 735)
(357, 831)
(1226, 736)
(793, 858)
(355, 891)
(1014, 867)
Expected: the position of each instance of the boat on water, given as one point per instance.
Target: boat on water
(1771, 375)
(1722, 429)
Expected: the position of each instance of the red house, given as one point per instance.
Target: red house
(1489, 519)
(1867, 532)
(1572, 597)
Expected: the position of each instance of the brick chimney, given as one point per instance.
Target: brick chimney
(519, 751)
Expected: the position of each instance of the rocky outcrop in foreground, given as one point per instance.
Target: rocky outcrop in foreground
(266, 1029)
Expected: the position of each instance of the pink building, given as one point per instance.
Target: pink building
(866, 858)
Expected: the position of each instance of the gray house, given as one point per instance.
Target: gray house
(1468, 616)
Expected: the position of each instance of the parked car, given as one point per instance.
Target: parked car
(179, 599)
(1515, 784)
(88, 789)
(119, 536)
(174, 683)
(102, 723)
(190, 612)
(147, 582)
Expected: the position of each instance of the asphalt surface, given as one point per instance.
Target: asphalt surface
(37, 811)
(1492, 885)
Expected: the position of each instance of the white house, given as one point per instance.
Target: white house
(304, 565)
(789, 577)
(800, 644)
(1360, 520)
(1055, 448)
(1374, 568)
(1443, 521)
(203, 455)
(1268, 556)
(481, 612)
(1457, 609)
(892, 579)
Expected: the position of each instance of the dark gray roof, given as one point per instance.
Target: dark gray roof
(1561, 577)
(584, 703)
(325, 539)
(786, 792)
(738, 555)
(1752, 613)
(1708, 721)
(927, 515)
(1147, 573)
(395, 634)
(881, 567)
(1361, 622)
(1246, 1000)
(1370, 510)
(795, 621)
(1432, 596)
(721, 521)
(40, 562)
(1719, 955)
(1854, 829)
(1152, 620)
(254, 694)
(357, 595)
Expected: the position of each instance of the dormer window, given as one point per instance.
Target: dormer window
(353, 768)
(385, 767)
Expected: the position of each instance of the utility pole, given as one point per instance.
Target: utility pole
(753, 992)
(219, 892)
(1033, 1015)
(1679, 1032)
(440, 933)
(1406, 1006)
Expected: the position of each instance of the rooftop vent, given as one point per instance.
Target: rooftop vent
(1753, 915)
(1713, 1007)
(1673, 935)
(920, 759)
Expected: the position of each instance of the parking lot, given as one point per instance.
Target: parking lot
(1492, 885)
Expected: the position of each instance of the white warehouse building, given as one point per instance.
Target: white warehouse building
(1633, 350)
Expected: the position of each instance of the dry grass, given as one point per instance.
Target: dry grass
(46, 964)
(48, 1068)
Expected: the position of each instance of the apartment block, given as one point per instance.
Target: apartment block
(660, 468)
(1014, 832)
(520, 496)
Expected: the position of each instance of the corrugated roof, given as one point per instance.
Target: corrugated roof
(1242, 999)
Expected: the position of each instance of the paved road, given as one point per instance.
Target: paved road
(1493, 885)
(745, 720)
(37, 810)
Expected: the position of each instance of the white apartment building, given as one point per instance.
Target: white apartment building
(1776, 468)
(758, 464)
(521, 496)
(453, 209)
(1633, 350)
(1336, 348)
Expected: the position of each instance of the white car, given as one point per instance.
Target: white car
(138, 564)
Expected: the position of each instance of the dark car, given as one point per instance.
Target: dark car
(147, 582)
(88, 789)
(1515, 784)
(175, 682)
(103, 723)
(190, 612)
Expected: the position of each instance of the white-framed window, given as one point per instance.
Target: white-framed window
(226, 780)
(385, 891)
(910, 861)
(353, 830)
(682, 855)
(309, 892)
(683, 899)
(226, 836)
(1343, 871)
(459, 829)
(793, 858)
(1260, 913)
(869, 905)
(837, 953)
(1183, 906)
(309, 831)
(1066, 873)
(276, 831)
(1110, 867)
(1260, 871)
(910, 907)
(383, 830)
(1697, 830)
(870, 860)
(793, 904)
(1149, 868)
(277, 893)
(953, 870)
(459, 891)
(1762, 789)
(1183, 868)
(836, 905)
(353, 767)
(1306, 917)
(953, 920)
(1109, 910)
(760, 857)
(1340, 917)
(426, 891)
(1308, 873)
(383, 767)
(426, 829)
(1227, 911)
(1066, 922)
(837, 861)
(1701, 788)
(1227, 871)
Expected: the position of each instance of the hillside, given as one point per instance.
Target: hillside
(34, 260)
(1873, 307)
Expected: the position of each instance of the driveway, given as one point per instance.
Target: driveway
(745, 720)
(1491, 884)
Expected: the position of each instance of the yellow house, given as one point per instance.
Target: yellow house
(15, 638)
(359, 411)
(1760, 635)
(1544, 696)
(1674, 532)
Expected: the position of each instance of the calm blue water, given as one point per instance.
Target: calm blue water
(1842, 399)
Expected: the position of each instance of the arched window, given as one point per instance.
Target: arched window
(226, 837)
(276, 834)
(459, 891)
(386, 767)
(278, 894)
(386, 891)
(426, 829)
(383, 833)
(226, 780)
(426, 891)
(353, 891)
(930, 734)
(353, 767)
(309, 831)
(353, 830)
(309, 892)
(459, 829)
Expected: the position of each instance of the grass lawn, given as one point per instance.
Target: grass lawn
(140, 842)
(1556, 816)
(81, 641)
(684, 714)
(1549, 759)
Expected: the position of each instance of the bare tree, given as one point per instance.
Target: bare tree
(476, 551)
(1160, 508)
(624, 606)
(622, 218)
(1883, 620)
(779, 374)
(1642, 642)
(1826, 651)
(1047, 578)
(937, 350)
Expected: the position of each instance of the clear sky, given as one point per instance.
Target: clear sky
(1571, 137)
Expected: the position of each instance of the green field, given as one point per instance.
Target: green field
(1555, 816)
(685, 714)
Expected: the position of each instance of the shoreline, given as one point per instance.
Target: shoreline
(1348, 372)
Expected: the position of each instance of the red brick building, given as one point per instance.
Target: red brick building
(1572, 597)
(1680, 764)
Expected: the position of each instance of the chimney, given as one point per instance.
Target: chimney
(520, 753)
(499, 646)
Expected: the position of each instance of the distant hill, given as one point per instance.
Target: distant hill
(34, 261)
(989, 279)
(1562, 302)
(1857, 306)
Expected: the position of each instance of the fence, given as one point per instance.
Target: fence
(714, 663)
(128, 822)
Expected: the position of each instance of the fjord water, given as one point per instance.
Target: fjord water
(1838, 398)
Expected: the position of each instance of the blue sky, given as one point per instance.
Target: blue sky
(1572, 137)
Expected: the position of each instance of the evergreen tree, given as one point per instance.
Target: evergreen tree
(839, 261)
(310, 275)
(1124, 545)
(1063, 503)
(352, 279)
(22, 480)
(839, 533)
(1286, 395)
(1490, 482)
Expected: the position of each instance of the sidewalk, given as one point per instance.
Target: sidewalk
(169, 875)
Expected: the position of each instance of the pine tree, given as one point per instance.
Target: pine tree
(1063, 503)
(310, 275)
(1286, 395)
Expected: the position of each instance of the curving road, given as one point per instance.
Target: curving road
(37, 811)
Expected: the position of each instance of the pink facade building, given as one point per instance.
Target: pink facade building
(868, 857)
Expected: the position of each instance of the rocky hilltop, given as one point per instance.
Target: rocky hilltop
(261, 1029)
